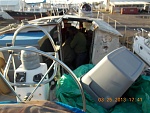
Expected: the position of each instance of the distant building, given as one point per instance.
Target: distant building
(116, 5)
(9, 5)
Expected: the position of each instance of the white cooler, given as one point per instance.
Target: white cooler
(112, 76)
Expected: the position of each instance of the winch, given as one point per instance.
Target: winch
(28, 74)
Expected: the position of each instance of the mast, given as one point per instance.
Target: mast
(107, 5)
(23, 5)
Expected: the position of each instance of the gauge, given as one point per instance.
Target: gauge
(37, 77)
(21, 77)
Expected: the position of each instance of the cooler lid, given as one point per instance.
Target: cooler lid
(126, 62)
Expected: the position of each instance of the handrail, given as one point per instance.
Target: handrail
(8, 28)
(108, 19)
(35, 26)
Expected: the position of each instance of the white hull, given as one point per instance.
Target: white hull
(141, 47)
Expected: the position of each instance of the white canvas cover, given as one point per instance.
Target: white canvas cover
(103, 44)
(104, 26)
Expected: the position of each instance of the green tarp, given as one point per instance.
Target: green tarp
(137, 96)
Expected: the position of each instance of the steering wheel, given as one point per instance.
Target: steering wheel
(13, 48)
(10, 58)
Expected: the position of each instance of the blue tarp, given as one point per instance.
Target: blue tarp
(29, 38)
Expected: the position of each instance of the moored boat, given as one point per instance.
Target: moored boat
(141, 45)
(30, 15)
(34, 77)
(20, 15)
